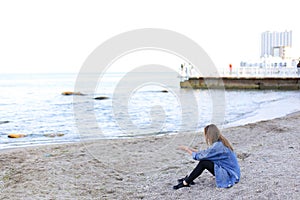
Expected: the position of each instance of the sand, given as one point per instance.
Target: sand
(147, 168)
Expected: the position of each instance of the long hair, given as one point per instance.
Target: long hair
(212, 134)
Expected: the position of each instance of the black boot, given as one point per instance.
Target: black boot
(180, 185)
(182, 179)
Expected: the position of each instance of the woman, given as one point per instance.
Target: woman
(219, 159)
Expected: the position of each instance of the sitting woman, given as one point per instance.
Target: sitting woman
(219, 159)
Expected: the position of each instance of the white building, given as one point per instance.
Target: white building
(276, 59)
(272, 41)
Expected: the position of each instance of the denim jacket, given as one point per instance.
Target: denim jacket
(226, 167)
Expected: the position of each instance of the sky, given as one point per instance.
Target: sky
(57, 36)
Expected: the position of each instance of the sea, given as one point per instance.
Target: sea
(33, 105)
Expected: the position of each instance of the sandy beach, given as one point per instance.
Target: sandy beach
(147, 168)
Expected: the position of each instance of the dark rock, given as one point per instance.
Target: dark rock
(101, 98)
(67, 93)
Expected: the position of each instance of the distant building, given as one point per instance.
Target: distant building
(276, 51)
(276, 44)
(276, 57)
(284, 52)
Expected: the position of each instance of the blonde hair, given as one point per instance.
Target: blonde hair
(212, 134)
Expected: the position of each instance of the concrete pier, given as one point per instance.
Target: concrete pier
(273, 83)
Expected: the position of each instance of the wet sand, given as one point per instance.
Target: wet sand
(147, 168)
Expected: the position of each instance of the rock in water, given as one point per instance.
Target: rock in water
(72, 93)
(16, 135)
(54, 134)
(101, 98)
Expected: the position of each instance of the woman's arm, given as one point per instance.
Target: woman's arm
(187, 149)
(194, 150)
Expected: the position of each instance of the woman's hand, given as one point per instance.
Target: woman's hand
(185, 148)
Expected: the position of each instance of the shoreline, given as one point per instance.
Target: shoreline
(147, 168)
(225, 126)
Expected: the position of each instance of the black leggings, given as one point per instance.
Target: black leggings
(202, 165)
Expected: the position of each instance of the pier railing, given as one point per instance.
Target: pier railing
(245, 78)
(260, 72)
(247, 72)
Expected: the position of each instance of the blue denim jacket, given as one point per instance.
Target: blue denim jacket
(227, 169)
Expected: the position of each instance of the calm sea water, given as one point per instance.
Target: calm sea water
(33, 105)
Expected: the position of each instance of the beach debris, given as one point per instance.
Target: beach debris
(243, 156)
(16, 135)
(67, 93)
(54, 134)
(47, 155)
(4, 122)
(101, 98)
(119, 178)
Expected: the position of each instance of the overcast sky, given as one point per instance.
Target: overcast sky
(57, 36)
